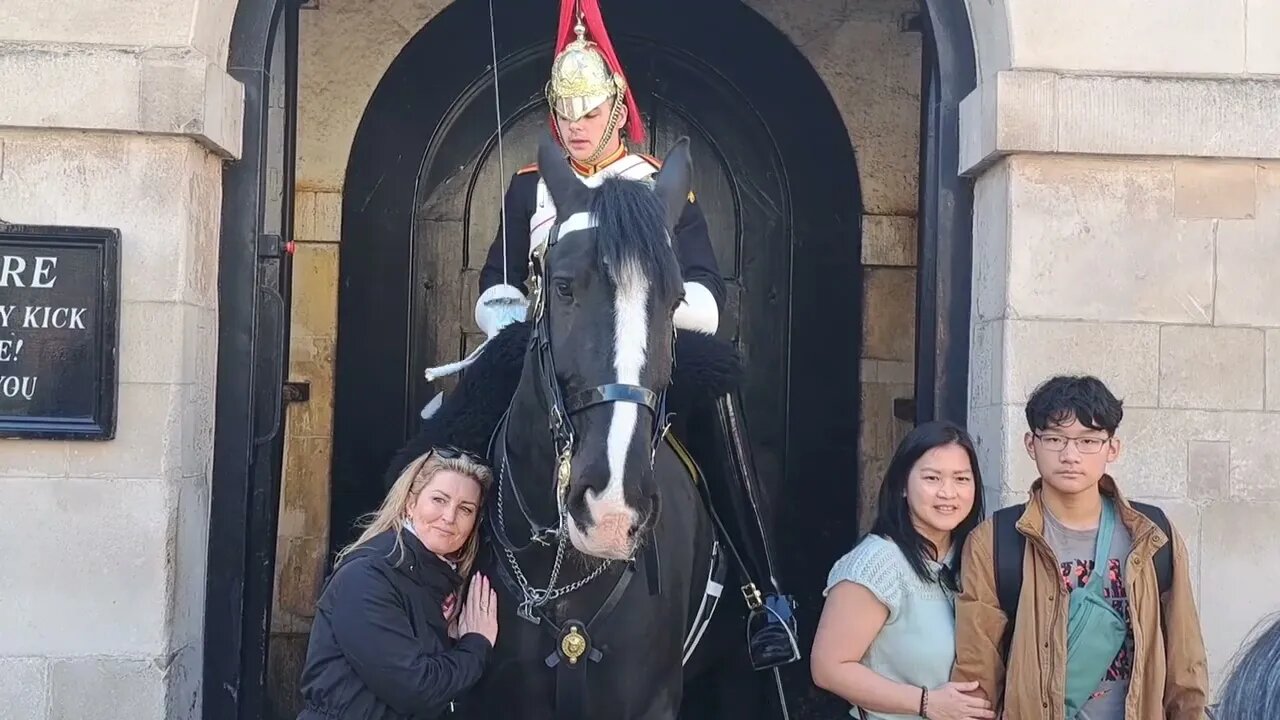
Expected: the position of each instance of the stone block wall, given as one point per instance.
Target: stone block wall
(102, 605)
(1156, 275)
(118, 113)
(302, 543)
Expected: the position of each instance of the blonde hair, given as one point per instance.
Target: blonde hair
(415, 478)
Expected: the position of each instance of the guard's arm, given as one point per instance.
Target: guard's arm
(704, 286)
(502, 303)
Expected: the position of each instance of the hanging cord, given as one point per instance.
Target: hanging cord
(435, 373)
(502, 171)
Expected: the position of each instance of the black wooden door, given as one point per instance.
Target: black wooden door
(777, 179)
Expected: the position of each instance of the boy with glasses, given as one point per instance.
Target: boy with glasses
(1040, 633)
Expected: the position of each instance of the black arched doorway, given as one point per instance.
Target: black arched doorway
(240, 564)
(776, 175)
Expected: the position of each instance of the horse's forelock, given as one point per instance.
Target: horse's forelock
(631, 236)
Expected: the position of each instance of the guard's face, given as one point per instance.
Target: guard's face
(582, 136)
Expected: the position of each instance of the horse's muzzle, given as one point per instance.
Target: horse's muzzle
(613, 530)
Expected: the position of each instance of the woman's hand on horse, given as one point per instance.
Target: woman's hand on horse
(958, 701)
(480, 613)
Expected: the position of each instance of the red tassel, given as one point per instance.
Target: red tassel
(594, 21)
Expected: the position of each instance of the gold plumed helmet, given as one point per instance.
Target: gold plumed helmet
(581, 78)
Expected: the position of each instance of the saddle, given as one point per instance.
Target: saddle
(710, 437)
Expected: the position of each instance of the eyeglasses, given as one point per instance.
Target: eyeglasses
(1086, 445)
(449, 452)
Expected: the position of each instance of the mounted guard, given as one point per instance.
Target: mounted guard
(592, 106)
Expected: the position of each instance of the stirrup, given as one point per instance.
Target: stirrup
(771, 629)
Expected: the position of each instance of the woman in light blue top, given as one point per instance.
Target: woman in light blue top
(886, 640)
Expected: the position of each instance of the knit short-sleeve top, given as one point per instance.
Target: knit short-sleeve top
(917, 644)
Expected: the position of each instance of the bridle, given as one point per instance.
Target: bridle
(561, 410)
(564, 437)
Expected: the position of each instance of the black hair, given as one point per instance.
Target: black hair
(1252, 691)
(893, 516)
(1082, 397)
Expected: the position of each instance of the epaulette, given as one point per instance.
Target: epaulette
(531, 167)
(658, 164)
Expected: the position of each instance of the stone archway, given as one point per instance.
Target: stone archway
(235, 478)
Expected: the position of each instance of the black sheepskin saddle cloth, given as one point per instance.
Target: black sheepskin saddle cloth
(706, 368)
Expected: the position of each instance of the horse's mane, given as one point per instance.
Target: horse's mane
(631, 230)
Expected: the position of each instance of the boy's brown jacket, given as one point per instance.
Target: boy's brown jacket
(1170, 677)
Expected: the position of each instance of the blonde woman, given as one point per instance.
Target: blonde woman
(381, 642)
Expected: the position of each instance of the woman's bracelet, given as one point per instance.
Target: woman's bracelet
(924, 702)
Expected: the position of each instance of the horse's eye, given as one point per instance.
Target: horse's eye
(564, 289)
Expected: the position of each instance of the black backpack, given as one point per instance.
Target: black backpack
(1008, 547)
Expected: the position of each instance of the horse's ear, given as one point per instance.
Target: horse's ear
(674, 181)
(567, 191)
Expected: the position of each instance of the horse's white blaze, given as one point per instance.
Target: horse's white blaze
(630, 347)
(577, 221)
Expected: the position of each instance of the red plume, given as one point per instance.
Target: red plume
(596, 32)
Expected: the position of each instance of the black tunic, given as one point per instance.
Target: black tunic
(692, 242)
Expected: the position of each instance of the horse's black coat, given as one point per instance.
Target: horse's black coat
(705, 367)
(532, 372)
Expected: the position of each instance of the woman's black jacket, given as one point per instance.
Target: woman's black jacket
(379, 647)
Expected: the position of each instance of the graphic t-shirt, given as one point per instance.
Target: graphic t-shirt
(1075, 551)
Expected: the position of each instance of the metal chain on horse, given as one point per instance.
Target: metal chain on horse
(534, 597)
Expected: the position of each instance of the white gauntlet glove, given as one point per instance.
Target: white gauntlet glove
(498, 307)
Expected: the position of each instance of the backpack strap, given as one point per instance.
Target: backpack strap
(1007, 548)
(1164, 556)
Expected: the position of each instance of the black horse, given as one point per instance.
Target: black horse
(601, 542)
(604, 555)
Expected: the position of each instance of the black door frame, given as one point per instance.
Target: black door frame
(254, 288)
(246, 473)
(944, 225)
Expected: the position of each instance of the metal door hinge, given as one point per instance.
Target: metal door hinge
(297, 392)
(905, 409)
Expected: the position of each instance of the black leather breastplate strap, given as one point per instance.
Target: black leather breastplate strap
(574, 651)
